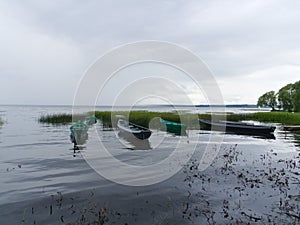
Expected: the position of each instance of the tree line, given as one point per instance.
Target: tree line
(286, 99)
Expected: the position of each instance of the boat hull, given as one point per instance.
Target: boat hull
(134, 130)
(173, 127)
(136, 143)
(238, 128)
(79, 133)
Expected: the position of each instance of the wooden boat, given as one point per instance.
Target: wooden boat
(90, 120)
(79, 133)
(133, 142)
(173, 127)
(238, 128)
(136, 130)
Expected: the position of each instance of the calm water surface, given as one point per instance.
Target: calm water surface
(37, 161)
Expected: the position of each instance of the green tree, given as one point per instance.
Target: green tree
(285, 99)
(296, 96)
(267, 100)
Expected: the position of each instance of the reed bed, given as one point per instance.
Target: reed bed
(285, 118)
(62, 118)
(143, 118)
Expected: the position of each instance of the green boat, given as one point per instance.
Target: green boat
(79, 133)
(90, 120)
(173, 127)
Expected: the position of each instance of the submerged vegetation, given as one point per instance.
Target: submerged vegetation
(143, 118)
(237, 188)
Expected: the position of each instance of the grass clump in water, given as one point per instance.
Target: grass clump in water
(62, 118)
(56, 118)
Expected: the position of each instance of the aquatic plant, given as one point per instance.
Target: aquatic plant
(139, 117)
(270, 175)
(62, 118)
(144, 117)
(286, 118)
(1, 122)
(229, 191)
(56, 118)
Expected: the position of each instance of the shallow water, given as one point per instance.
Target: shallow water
(37, 161)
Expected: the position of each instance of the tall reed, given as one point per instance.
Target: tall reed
(143, 118)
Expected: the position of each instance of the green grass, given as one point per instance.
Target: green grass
(144, 117)
(285, 118)
(62, 118)
(141, 118)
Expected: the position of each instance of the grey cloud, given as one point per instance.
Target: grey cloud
(50, 41)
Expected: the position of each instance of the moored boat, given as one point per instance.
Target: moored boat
(90, 120)
(238, 128)
(134, 143)
(79, 133)
(133, 129)
(173, 127)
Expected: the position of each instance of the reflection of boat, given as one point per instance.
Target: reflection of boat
(173, 127)
(297, 138)
(133, 129)
(238, 128)
(291, 128)
(137, 144)
(79, 133)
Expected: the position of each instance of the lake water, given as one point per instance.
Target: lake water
(43, 181)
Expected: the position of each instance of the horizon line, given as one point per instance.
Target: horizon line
(143, 105)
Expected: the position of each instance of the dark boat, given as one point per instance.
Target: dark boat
(134, 143)
(133, 129)
(173, 127)
(237, 128)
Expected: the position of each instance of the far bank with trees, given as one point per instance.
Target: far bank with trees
(286, 99)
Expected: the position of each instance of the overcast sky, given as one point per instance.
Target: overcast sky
(46, 46)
